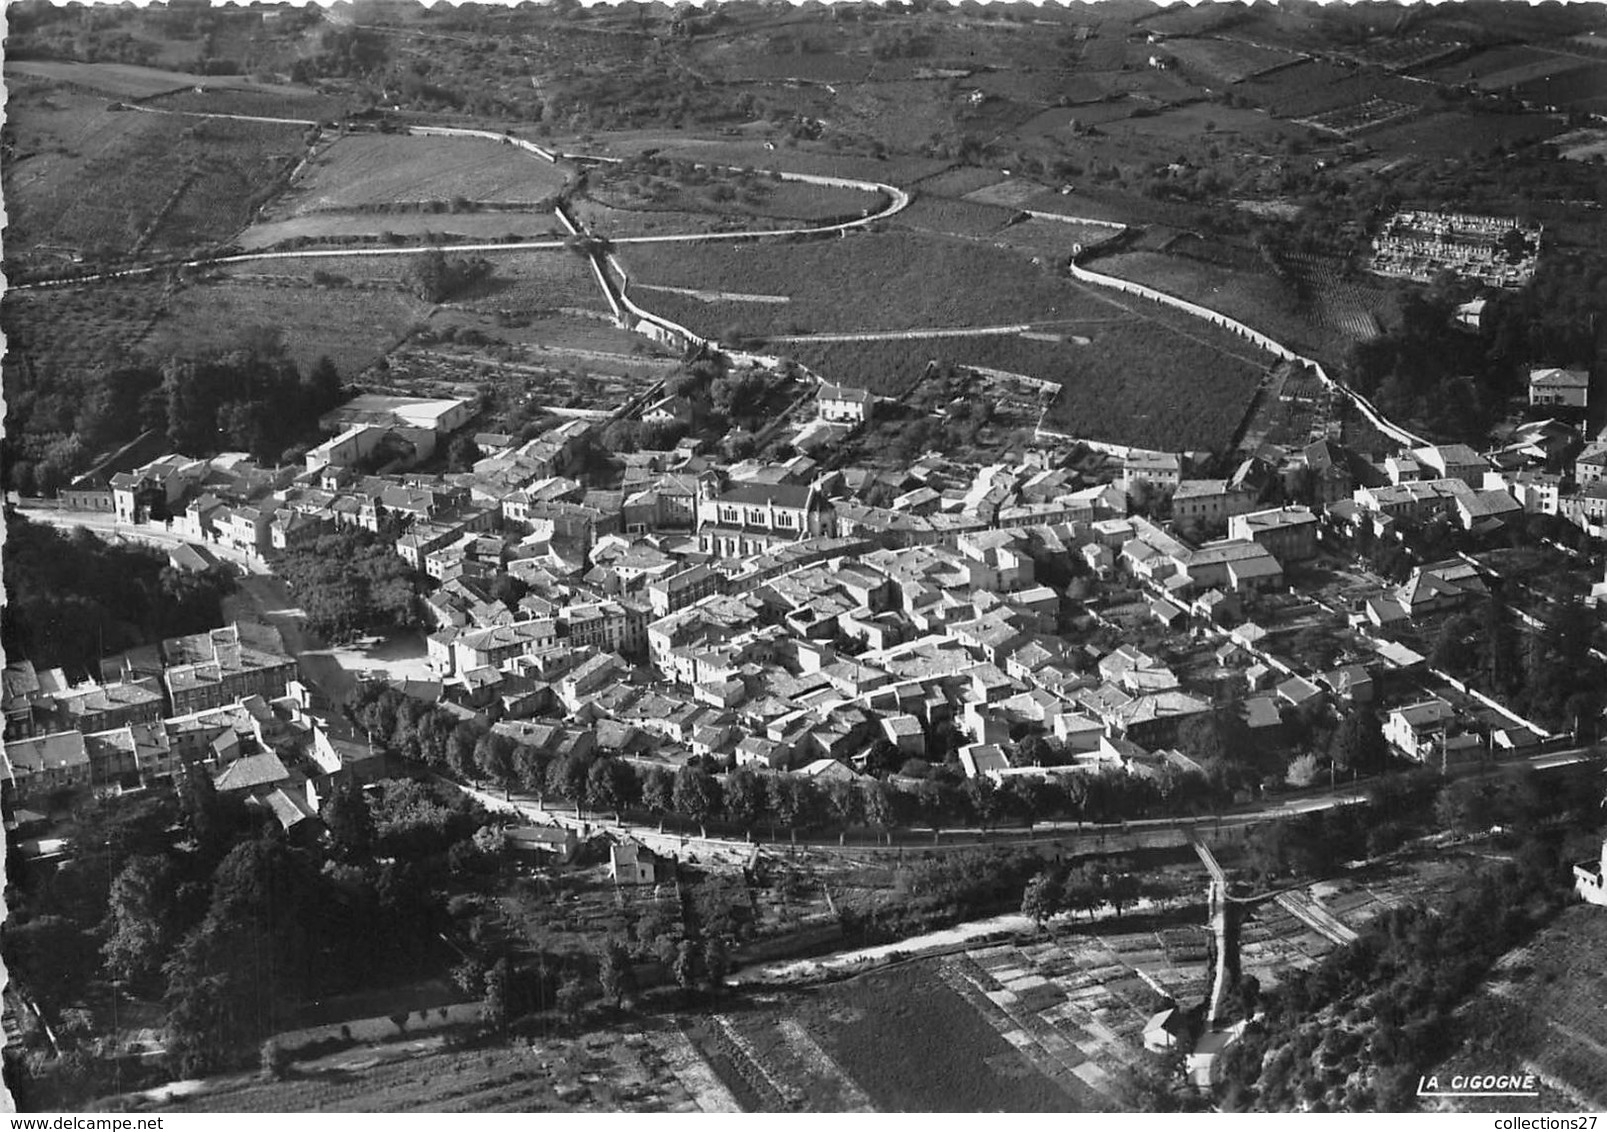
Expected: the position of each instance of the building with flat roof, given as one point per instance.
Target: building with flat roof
(441, 415)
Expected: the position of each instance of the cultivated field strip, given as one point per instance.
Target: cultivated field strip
(820, 1064)
(1049, 1051)
(683, 1060)
(752, 1066)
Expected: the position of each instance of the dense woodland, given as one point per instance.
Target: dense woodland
(194, 902)
(1432, 373)
(71, 599)
(1547, 674)
(251, 398)
(351, 582)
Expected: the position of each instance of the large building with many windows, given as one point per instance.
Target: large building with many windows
(750, 519)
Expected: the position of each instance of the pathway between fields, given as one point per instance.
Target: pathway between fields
(898, 200)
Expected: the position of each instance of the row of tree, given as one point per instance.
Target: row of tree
(744, 798)
(1086, 887)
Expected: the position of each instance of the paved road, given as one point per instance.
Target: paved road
(1048, 838)
(108, 527)
(898, 200)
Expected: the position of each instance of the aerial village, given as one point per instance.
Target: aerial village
(803, 618)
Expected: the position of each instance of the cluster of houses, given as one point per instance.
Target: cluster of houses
(228, 700)
(800, 617)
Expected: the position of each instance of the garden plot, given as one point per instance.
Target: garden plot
(591, 340)
(555, 380)
(605, 1071)
(368, 170)
(912, 1044)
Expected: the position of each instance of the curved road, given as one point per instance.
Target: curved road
(897, 198)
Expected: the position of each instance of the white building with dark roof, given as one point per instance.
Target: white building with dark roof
(844, 404)
(752, 518)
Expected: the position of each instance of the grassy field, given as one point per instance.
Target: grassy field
(1583, 145)
(733, 195)
(1313, 87)
(862, 283)
(127, 80)
(956, 182)
(232, 174)
(373, 227)
(1501, 67)
(1051, 237)
(1226, 60)
(1541, 1007)
(741, 152)
(1582, 87)
(561, 341)
(262, 102)
(942, 216)
(615, 222)
(354, 327)
(1454, 134)
(370, 169)
(530, 282)
(1184, 124)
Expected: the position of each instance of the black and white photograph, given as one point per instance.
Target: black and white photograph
(804, 558)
